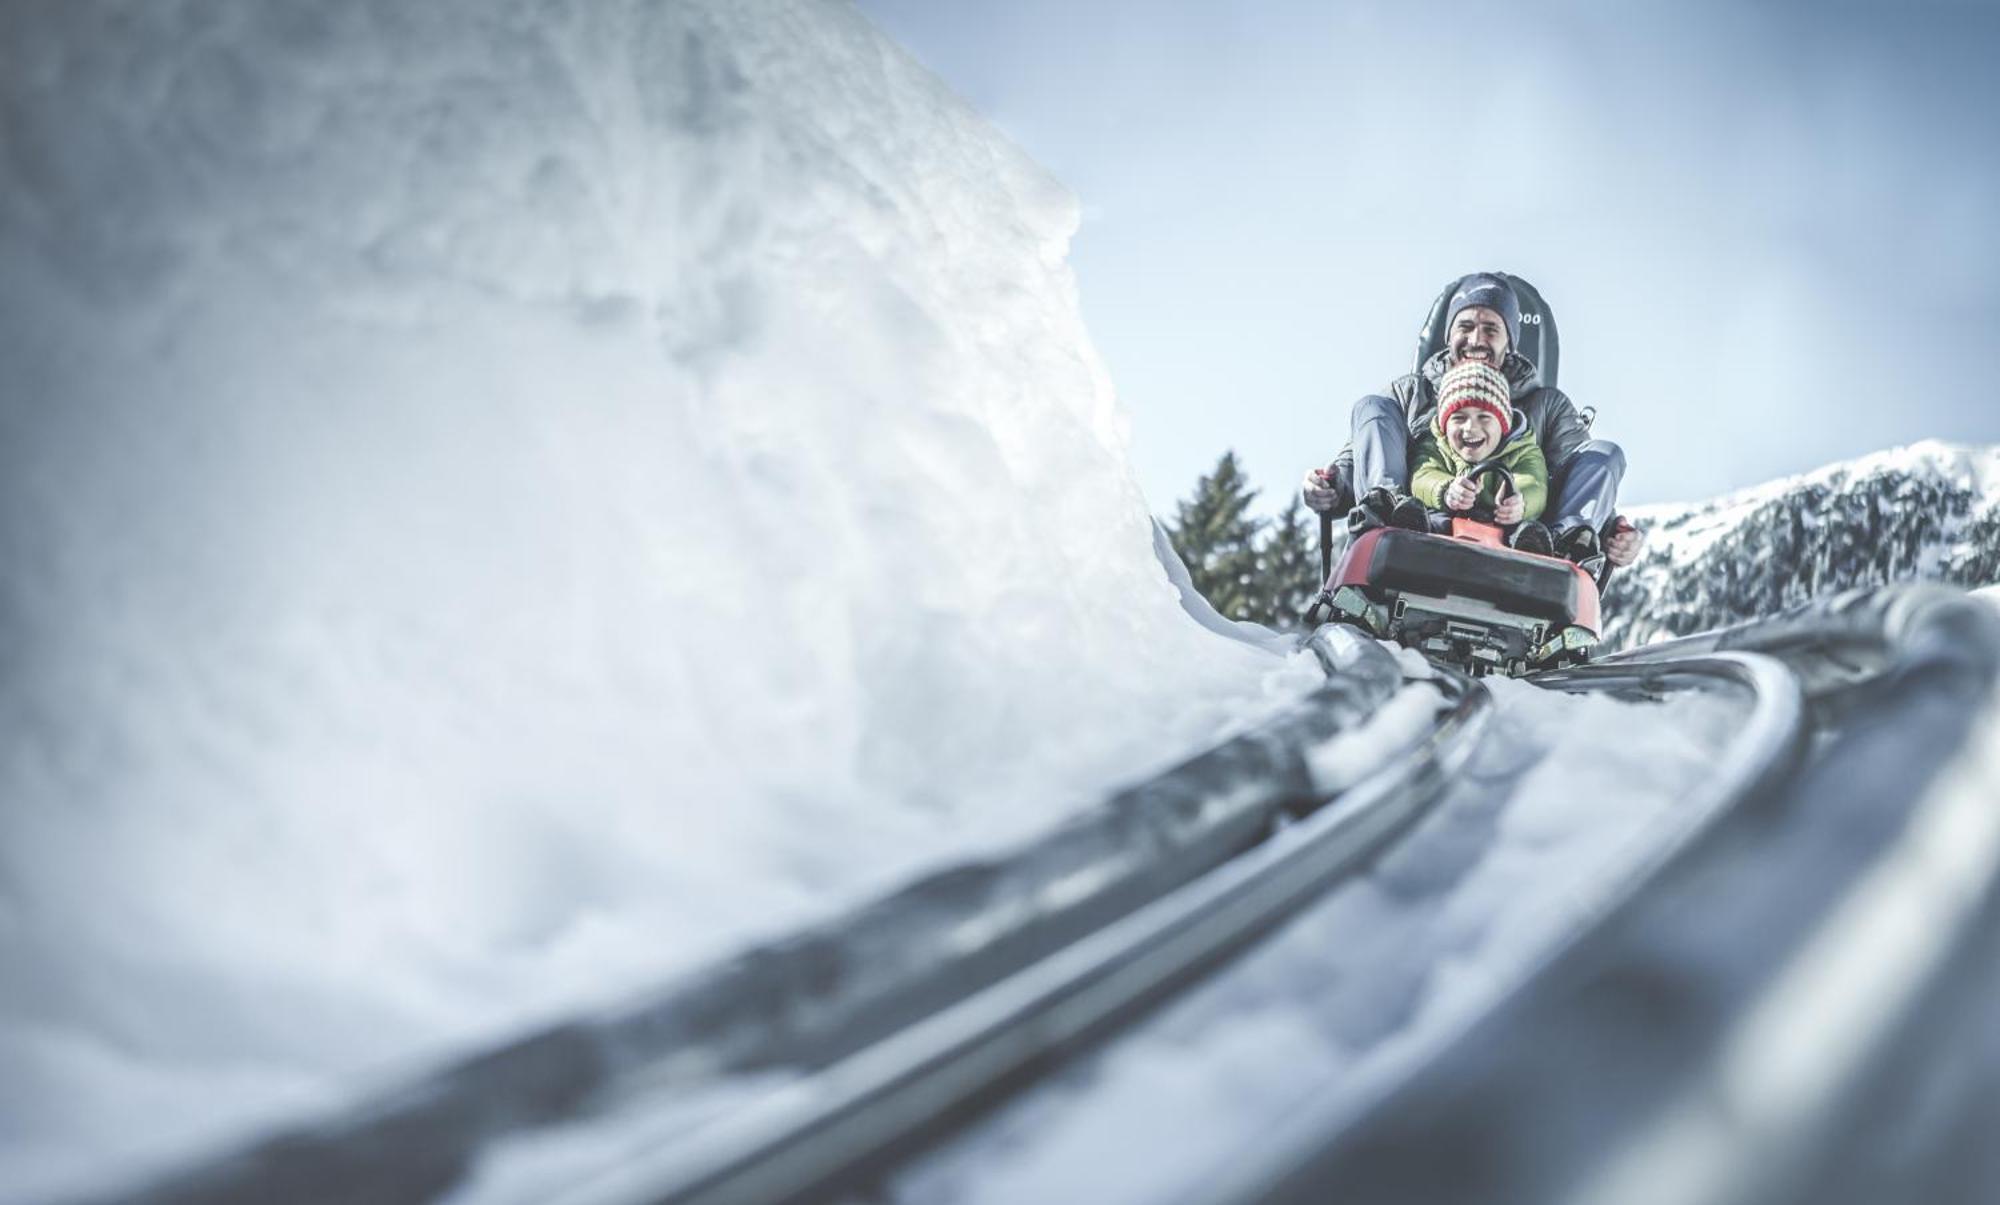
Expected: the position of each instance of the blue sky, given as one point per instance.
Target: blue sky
(1767, 230)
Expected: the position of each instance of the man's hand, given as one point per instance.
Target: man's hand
(1509, 509)
(1460, 494)
(1623, 546)
(1319, 490)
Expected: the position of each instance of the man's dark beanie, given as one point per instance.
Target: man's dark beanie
(1493, 292)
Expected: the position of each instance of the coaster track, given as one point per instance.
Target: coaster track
(892, 1026)
(1784, 1011)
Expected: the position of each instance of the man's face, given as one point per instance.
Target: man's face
(1472, 433)
(1477, 333)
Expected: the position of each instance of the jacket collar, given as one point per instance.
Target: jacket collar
(1519, 370)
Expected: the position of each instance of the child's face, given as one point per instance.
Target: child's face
(1472, 433)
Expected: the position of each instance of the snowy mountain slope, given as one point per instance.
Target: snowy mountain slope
(501, 501)
(1927, 512)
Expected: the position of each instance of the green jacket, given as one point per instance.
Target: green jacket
(1434, 465)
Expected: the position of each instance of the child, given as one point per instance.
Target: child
(1476, 422)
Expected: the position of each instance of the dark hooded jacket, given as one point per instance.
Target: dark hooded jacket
(1559, 428)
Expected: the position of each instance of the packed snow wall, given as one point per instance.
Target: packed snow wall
(504, 500)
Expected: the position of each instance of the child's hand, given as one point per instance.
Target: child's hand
(1460, 494)
(1509, 509)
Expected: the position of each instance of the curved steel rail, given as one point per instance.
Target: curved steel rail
(847, 1121)
(812, 999)
(1781, 1107)
(882, 1073)
(1767, 745)
(1721, 1036)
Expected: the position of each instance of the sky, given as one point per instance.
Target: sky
(1766, 230)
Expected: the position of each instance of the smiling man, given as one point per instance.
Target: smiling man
(1482, 325)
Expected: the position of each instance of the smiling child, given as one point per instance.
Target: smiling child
(1476, 423)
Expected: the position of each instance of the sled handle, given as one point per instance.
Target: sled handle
(1507, 486)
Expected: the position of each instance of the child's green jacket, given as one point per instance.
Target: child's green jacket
(1435, 465)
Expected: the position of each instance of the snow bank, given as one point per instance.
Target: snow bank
(501, 500)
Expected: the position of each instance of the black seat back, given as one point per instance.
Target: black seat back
(1538, 329)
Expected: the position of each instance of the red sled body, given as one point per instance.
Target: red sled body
(1464, 598)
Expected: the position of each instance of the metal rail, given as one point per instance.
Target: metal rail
(1782, 1105)
(1721, 1037)
(856, 1119)
(811, 999)
(848, 1121)
(1301, 1161)
(1167, 891)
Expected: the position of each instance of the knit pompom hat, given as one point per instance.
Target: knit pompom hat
(1478, 385)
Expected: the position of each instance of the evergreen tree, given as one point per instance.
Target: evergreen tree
(1289, 567)
(1216, 536)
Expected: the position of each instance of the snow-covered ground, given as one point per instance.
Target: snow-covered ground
(502, 502)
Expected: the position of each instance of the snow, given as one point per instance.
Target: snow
(1371, 980)
(1682, 532)
(503, 502)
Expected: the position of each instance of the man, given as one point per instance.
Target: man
(1482, 325)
